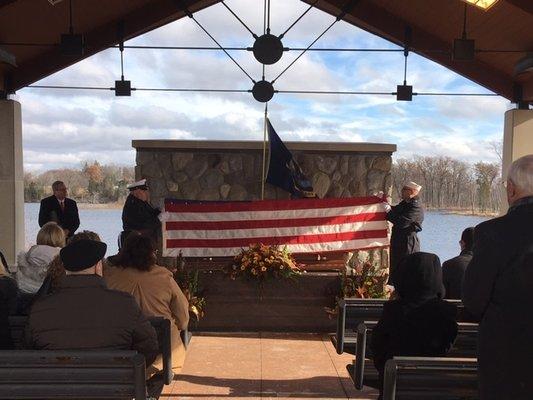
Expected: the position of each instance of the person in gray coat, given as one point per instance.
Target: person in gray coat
(498, 291)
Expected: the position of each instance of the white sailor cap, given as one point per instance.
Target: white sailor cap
(413, 185)
(138, 185)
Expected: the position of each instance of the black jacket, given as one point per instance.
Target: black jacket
(407, 218)
(498, 291)
(85, 314)
(8, 306)
(419, 323)
(51, 211)
(453, 273)
(140, 216)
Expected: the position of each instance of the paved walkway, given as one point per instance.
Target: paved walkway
(264, 366)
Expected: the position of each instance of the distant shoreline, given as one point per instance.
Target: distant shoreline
(451, 211)
(98, 206)
(466, 212)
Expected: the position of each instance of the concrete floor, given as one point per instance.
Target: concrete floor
(264, 366)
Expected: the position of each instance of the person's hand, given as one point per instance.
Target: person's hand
(164, 216)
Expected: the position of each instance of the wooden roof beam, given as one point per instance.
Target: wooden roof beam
(525, 5)
(155, 14)
(379, 21)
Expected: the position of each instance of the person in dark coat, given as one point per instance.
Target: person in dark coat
(498, 291)
(453, 270)
(406, 218)
(8, 304)
(138, 215)
(418, 323)
(59, 208)
(85, 314)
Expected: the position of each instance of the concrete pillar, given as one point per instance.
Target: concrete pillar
(518, 136)
(12, 238)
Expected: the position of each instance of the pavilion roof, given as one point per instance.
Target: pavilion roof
(434, 25)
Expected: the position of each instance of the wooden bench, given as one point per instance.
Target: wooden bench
(44, 374)
(17, 325)
(430, 378)
(364, 372)
(353, 311)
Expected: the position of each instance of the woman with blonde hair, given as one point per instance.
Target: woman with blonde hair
(33, 264)
(157, 293)
(8, 304)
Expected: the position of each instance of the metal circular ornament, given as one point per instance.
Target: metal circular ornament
(263, 91)
(268, 49)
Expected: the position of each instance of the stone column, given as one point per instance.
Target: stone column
(12, 238)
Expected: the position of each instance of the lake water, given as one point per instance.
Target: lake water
(440, 234)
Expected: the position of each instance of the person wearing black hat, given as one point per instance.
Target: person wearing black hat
(418, 323)
(138, 215)
(85, 314)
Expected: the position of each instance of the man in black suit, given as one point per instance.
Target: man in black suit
(406, 218)
(60, 209)
(453, 270)
(498, 291)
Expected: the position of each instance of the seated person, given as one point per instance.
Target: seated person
(453, 270)
(135, 271)
(33, 264)
(418, 322)
(8, 304)
(85, 314)
(56, 270)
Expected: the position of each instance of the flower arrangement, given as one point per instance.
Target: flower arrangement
(189, 283)
(261, 262)
(361, 277)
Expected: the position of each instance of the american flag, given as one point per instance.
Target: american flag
(305, 226)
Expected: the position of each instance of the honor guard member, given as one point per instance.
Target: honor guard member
(138, 214)
(406, 218)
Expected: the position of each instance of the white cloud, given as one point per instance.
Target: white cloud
(63, 127)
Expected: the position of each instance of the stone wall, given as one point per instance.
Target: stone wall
(191, 170)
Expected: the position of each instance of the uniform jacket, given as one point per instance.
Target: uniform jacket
(406, 218)
(85, 314)
(453, 273)
(32, 267)
(138, 215)
(158, 294)
(51, 211)
(497, 290)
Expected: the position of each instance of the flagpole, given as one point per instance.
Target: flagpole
(264, 152)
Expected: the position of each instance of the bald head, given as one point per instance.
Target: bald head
(520, 179)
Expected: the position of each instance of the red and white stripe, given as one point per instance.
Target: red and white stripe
(304, 226)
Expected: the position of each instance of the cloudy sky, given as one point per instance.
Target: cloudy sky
(62, 128)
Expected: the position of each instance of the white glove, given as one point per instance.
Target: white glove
(164, 216)
(387, 207)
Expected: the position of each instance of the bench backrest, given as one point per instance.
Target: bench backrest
(353, 311)
(162, 328)
(465, 345)
(44, 374)
(430, 378)
(17, 325)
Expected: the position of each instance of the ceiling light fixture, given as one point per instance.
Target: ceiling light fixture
(483, 4)
(464, 49)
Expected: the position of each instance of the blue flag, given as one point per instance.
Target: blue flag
(283, 171)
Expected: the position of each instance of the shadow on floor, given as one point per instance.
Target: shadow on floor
(316, 387)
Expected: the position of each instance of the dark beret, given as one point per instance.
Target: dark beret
(82, 254)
